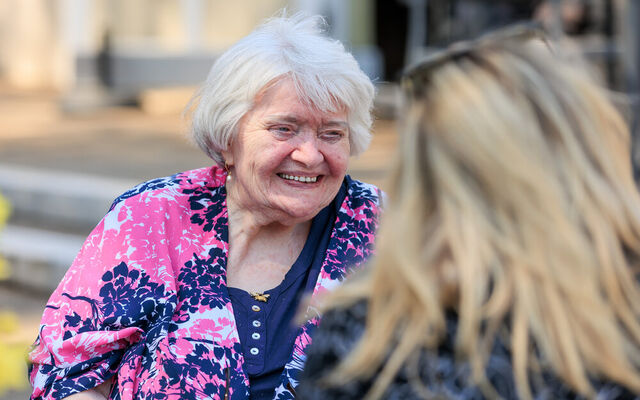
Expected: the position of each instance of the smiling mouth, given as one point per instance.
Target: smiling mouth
(303, 179)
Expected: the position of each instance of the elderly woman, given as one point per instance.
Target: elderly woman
(507, 266)
(188, 287)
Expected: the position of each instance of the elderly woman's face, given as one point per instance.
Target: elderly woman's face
(288, 159)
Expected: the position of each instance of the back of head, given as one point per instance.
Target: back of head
(512, 204)
(326, 77)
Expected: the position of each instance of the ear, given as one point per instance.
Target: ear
(227, 155)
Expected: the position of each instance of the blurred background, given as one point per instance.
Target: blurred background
(91, 94)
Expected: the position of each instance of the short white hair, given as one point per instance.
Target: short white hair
(325, 75)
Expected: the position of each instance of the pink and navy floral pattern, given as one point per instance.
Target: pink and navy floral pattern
(146, 299)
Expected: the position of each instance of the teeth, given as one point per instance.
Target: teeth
(306, 179)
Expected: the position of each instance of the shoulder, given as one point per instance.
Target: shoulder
(180, 184)
(338, 332)
(362, 205)
(361, 192)
(349, 321)
(444, 374)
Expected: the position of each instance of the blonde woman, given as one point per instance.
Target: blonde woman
(507, 265)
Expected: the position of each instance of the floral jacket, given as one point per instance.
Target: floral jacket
(146, 298)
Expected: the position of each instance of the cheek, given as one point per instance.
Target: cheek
(273, 158)
(265, 158)
(339, 161)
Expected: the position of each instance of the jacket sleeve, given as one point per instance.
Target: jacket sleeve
(103, 305)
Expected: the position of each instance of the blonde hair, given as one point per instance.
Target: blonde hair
(512, 203)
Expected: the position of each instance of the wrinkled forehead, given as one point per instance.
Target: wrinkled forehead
(315, 96)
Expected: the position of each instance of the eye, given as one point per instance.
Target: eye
(282, 130)
(332, 135)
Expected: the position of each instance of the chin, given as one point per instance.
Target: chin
(303, 215)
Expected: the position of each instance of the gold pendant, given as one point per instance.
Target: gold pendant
(260, 296)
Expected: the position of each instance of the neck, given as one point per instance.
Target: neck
(252, 227)
(261, 254)
(250, 230)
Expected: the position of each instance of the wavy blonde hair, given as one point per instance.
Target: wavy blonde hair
(512, 203)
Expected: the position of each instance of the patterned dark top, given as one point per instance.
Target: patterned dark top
(439, 373)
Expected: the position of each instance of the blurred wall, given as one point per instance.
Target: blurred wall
(29, 44)
(63, 44)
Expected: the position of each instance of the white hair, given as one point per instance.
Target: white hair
(325, 75)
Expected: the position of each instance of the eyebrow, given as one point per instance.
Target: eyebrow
(341, 124)
(295, 120)
(284, 118)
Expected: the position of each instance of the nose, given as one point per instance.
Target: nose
(307, 152)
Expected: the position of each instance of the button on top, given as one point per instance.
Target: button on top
(254, 351)
(255, 335)
(256, 323)
(255, 308)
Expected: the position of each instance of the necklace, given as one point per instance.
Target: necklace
(260, 296)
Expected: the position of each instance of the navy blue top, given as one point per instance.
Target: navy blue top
(267, 330)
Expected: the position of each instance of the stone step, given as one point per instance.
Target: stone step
(58, 200)
(52, 213)
(38, 258)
